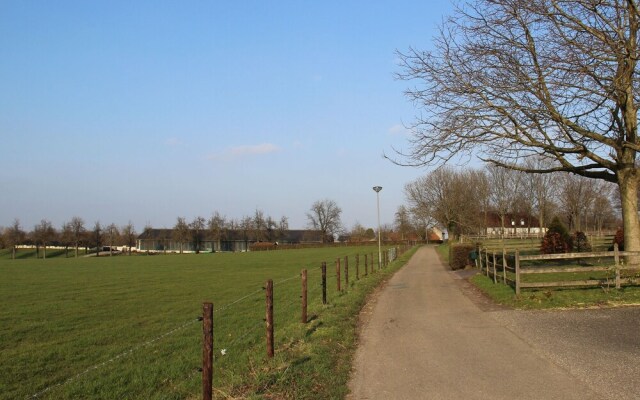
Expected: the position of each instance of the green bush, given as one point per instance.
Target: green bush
(581, 242)
(619, 238)
(459, 255)
(557, 239)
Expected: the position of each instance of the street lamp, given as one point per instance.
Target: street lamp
(377, 189)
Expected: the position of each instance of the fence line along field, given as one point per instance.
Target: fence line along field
(127, 327)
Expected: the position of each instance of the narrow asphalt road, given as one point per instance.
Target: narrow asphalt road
(424, 338)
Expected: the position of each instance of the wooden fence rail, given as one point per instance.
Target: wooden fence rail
(510, 265)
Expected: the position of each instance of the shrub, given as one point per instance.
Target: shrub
(459, 255)
(557, 239)
(619, 238)
(553, 243)
(581, 243)
(557, 226)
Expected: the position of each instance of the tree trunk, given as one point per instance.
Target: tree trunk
(44, 251)
(13, 252)
(76, 250)
(628, 183)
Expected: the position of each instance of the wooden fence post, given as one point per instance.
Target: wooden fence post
(366, 266)
(346, 272)
(479, 258)
(304, 296)
(207, 351)
(495, 279)
(338, 274)
(616, 257)
(357, 267)
(517, 271)
(269, 318)
(504, 266)
(486, 255)
(324, 283)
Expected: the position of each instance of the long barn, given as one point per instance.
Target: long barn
(164, 240)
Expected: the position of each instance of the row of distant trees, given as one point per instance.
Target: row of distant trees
(72, 235)
(324, 216)
(460, 199)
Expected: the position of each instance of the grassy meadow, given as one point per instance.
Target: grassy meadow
(126, 327)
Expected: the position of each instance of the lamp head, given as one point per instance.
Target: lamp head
(377, 188)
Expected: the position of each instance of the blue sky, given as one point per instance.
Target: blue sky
(146, 111)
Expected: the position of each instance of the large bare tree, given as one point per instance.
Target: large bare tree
(443, 196)
(324, 216)
(513, 79)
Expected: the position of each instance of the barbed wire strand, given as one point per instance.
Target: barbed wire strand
(250, 330)
(115, 358)
(226, 306)
(286, 280)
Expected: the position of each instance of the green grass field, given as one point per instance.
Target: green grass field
(126, 327)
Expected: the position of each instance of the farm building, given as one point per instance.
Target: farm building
(161, 240)
(515, 224)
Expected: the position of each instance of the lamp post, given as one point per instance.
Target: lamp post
(377, 189)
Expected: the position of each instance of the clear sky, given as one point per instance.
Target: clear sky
(144, 111)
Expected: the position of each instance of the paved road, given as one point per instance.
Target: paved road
(425, 338)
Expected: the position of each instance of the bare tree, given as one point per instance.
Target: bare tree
(129, 235)
(358, 233)
(602, 210)
(217, 226)
(541, 187)
(324, 216)
(97, 237)
(247, 228)
(505, 187)
(403, 222)
(77, 226)
(181, 232)
(14, 236)
(66, 237)
(443, 196)
(283, 227)
(513, 79)
(113, 235)
(576, 197)
(198, 227)
(43, 233)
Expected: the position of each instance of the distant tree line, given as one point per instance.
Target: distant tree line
(72, 235)
(460, 200)
(324, 215)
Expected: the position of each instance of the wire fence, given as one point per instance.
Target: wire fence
(229, 341)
